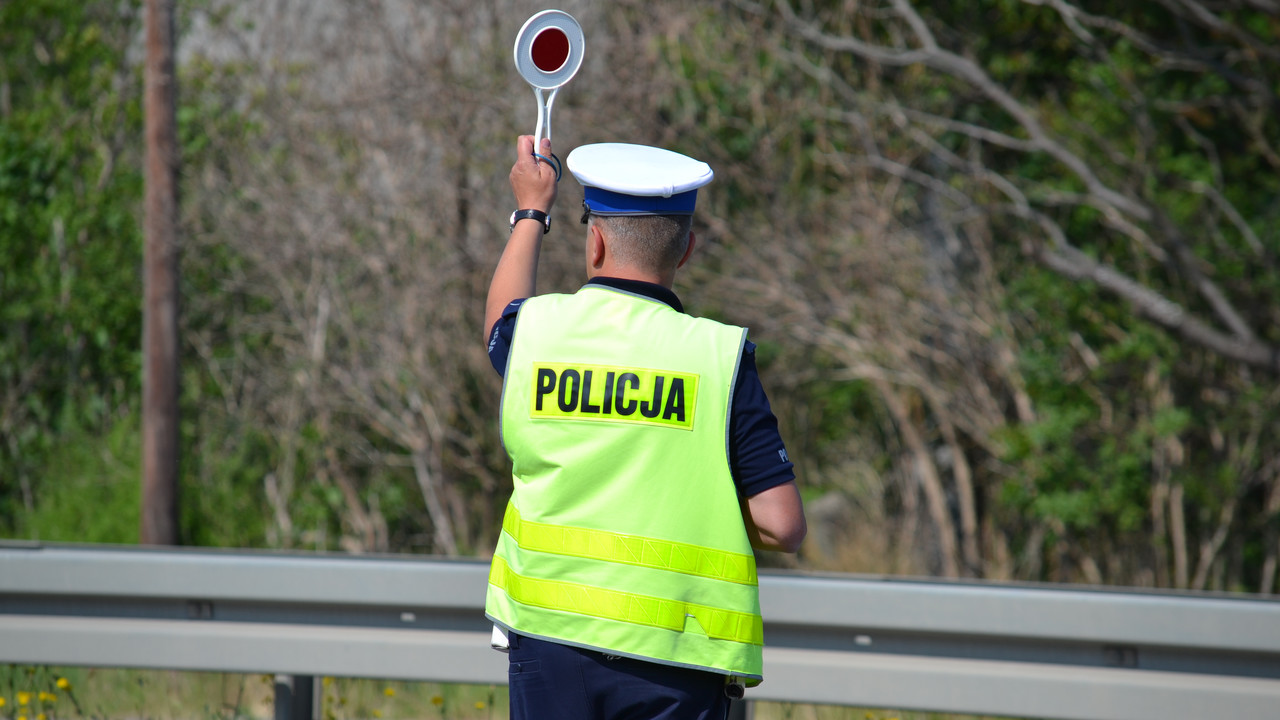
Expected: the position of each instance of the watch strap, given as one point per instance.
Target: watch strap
(538, 215)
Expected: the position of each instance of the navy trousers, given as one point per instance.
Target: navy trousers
(550, 681)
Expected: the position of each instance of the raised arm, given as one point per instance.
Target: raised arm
(534, 185)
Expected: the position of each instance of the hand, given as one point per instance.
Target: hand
(532, 181)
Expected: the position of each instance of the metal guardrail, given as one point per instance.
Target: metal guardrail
(977, 648)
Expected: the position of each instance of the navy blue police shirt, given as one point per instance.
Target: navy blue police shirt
(757, 457)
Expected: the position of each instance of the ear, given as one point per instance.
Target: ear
(688, 252)
(595, 247)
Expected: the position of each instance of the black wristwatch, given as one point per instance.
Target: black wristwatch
(538, 215)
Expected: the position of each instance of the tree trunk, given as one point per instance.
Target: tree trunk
(1271, 540)
(1178, 537)
(160, 312)
(927, 473)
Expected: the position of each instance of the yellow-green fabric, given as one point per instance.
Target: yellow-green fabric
(624, 533)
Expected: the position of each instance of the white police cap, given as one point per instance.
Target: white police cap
(626, 179)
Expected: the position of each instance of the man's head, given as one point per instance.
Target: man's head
(639, 203)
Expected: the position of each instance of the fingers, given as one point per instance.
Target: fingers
(524, 147)
(533, 182)
(525, 151)
(529, 162)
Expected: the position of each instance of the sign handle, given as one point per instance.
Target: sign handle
(544, 123)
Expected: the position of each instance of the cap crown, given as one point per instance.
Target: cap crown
(626, 179)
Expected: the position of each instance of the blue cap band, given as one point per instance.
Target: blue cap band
(605, 202)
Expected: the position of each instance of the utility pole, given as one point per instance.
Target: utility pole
(160, 285)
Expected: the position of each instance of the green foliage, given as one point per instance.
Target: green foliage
(70, 249)
(1084, 465)
(221, 501)
(71, 191)
(1117, 406)
(89, 489)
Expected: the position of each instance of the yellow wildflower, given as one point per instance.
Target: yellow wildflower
(377, 713)
(22, 717)
(437, 700)
(2, 702)
(389, 692)
(42, 716)
(63, 684)
(24, 698)
(479, 704)
(47, 697)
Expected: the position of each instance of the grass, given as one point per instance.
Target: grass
(40, 693)
(803, 711)
(43, 693)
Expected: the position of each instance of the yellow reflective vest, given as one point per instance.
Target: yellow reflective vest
(624, 533)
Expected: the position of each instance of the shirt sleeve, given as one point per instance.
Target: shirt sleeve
(501, 334)
(757, 455)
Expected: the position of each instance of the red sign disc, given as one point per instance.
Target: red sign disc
(550, 49)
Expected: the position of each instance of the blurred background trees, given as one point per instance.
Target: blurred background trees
(70, 262)
(1011, 266)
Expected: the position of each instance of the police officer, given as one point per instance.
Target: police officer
(646, 461)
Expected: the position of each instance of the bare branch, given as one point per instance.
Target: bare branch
(965, 69)
(1072, 263)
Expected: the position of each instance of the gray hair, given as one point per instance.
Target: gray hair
(650, 242)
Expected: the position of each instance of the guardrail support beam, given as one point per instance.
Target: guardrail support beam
(961, 647)
(296, 697)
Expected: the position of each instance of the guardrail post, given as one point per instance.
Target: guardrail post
(295, 697)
